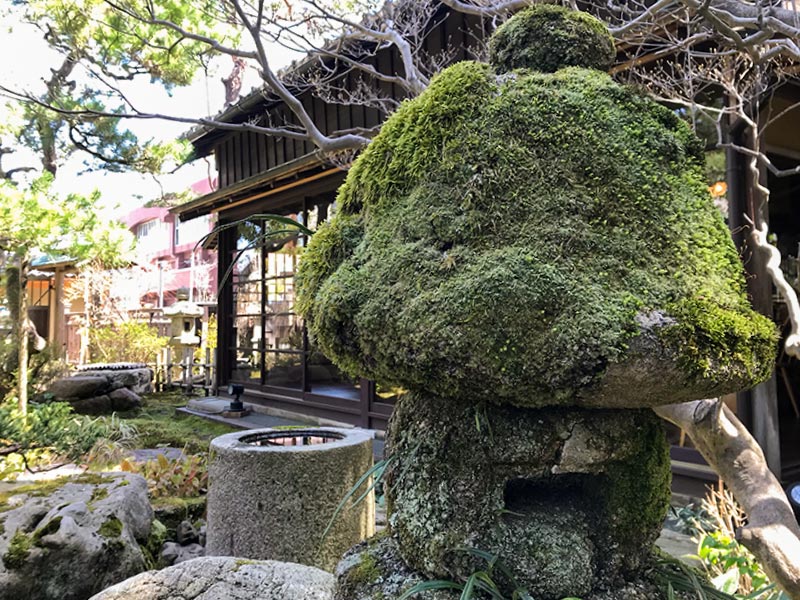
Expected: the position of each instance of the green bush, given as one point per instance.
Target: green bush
(49, 434)
(128, 341)
(731, 567)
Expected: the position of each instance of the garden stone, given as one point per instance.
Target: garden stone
(186, 533)
(375, 569)
(173, 553)
(97, 405)
(70, 538)
(123, 399)
(169, 552)
(189, 552)
(137, 379)
(225, 578)
(79, 386)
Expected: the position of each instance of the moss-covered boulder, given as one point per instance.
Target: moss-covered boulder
(570, 500)
(69, 538)
(549, 38)
(535, 239)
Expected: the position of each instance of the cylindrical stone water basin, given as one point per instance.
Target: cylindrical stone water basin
(272, 493)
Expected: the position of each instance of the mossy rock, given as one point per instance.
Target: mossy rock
(568, 499)
(69, 538)
(536, 239)
(170, 511)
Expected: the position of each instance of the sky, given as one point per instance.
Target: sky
(121, 192)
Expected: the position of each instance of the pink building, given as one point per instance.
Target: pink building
(168, 243)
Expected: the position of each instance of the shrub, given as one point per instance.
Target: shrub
(731, 567)
(128, 341)
(183, 477)
(50, 434)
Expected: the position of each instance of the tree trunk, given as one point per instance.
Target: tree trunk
(23, 327)
(771, 533)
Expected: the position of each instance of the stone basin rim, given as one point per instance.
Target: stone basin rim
(343, 437)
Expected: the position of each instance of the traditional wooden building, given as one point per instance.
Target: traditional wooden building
(262, 342)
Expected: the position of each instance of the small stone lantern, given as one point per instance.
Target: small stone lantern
(183, 335)
(183, 328)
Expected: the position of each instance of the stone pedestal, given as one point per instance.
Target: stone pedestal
(272, 493)
(569, 500)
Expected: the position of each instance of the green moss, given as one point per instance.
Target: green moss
(172, 510)
(637, 492)
(51, 527)
(92, 478)
(19, 548)
(241, 562)
(483, 251)
(718, 343)
(111, 528)
(548, 38)
(99, 493)
(159, 424)
(151, 549)
(367, 571)
(48, 487)
(37, 490)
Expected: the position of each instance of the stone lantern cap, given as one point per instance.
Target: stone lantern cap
(530, 232)
(184, 308)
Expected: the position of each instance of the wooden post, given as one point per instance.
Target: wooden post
(169, 367)
(214, 378)
(765, 423)
(186, 371)
(207, 374)
(157, 373)
(58, 330)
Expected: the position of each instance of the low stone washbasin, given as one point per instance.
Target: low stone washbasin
(273, 492)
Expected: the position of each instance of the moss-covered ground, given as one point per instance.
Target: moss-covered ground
(159, 424)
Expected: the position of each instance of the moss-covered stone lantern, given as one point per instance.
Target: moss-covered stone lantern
(530, 250)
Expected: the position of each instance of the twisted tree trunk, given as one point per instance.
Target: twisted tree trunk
(771, 533)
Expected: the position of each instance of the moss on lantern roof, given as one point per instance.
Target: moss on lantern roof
(518, 236)
(547, 38)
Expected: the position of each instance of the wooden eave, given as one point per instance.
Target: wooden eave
(278, 179)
